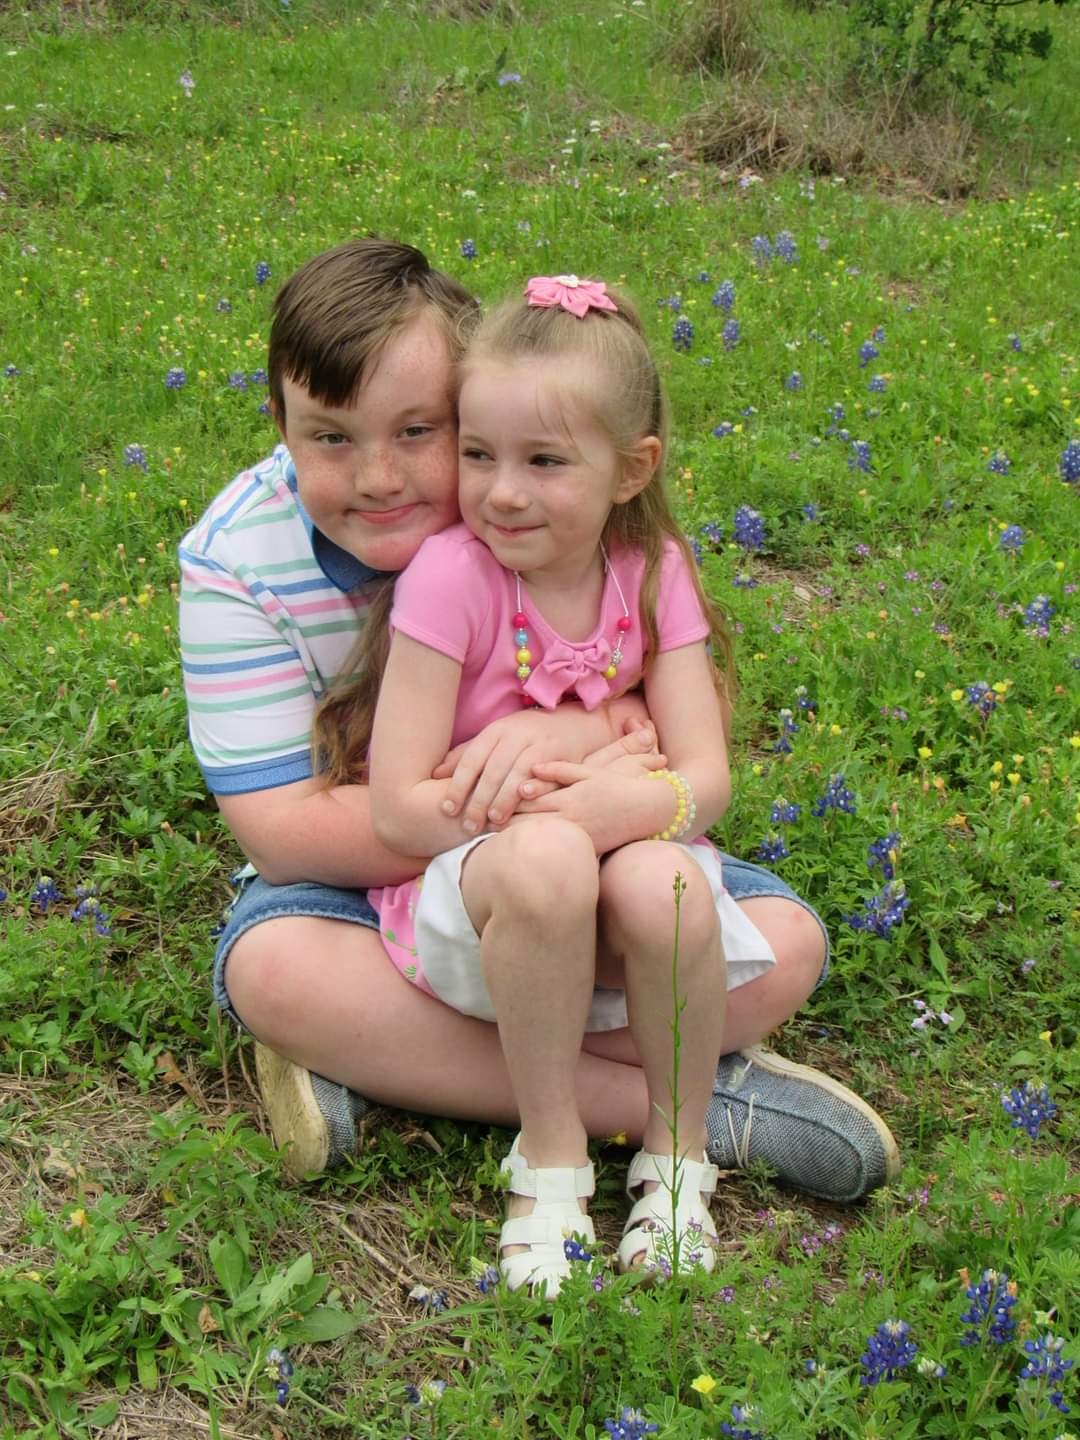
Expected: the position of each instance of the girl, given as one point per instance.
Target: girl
(569, 580)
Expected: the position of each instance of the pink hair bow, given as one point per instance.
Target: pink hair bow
(577, 296)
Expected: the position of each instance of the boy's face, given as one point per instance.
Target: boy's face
(378, 476)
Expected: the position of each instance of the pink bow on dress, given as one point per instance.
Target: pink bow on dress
(577, 296)
(565, 668)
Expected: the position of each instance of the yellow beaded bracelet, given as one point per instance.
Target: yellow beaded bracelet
(685, 809)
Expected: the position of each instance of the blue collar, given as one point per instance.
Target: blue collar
(340, 568)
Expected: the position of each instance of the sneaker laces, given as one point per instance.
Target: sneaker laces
(741, 1144)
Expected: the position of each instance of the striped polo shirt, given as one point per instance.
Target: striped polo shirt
(269, 611)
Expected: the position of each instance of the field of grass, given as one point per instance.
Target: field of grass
(877, 451)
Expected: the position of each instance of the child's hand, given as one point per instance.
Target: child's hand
(606, 802)
(489, 775)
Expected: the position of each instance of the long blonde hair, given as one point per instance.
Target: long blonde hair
(630, 404)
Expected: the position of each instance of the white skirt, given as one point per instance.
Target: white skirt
(448, 947)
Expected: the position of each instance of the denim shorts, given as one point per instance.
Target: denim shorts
(255, 901)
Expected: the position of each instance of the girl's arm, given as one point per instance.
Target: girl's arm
(620, 804)
(413, 725)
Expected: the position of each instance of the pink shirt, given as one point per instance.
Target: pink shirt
(456, 598)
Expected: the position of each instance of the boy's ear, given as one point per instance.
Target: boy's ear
(639, 468)
(278, 417)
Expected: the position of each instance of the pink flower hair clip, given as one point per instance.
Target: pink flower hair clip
(577, 296)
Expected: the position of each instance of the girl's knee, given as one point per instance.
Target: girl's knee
(638, 895)
(795, 934)
(547, 865)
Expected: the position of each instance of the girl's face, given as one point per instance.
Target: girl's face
(379, 475)
(538, 472)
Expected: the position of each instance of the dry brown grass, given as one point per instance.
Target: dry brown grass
(748, 128)
(718, 37)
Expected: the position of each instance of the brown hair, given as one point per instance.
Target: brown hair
(630, 403)
(333, 316)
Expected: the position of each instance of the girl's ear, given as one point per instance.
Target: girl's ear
(639, 468)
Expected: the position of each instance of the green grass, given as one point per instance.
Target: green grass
(150, 1251)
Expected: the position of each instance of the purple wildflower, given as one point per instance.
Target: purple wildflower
(713, 531)
(877, 385)
(487, 1280)
(784, 247)
(1046, 1369)
(45, 893)
(186, 82)
(888, 1351)
(737, 1428)
(259, 377)
(1037, 616)
(794, 381)
(631, 1425)
(881, 913)
(176, 379)
(1012, 538)
(574, 1250)
(223, 306)
(837, 796)
(860, 459)
(982, 697)
(508, 77)
(1069, 465)
(724, 296)
(999, 463)
(883, 852)
(989, 1314)
(731, 334)
(761, 249)
(238, 380)
(749, 528)
(810, 511)
(1030, 1107)
(280, 1369)
(868, 351)
(262, 272)
(468, 249)
(135, 455)
(784, 814)
(724, 429)
(772, 849)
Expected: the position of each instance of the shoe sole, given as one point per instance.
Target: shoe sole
(791, 1069)
(298, 1125)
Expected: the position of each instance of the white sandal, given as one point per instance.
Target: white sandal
(555, 1218)
(647, 1240)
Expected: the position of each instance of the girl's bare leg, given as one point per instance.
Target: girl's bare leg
(637, 928)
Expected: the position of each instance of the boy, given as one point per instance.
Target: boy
(278, 575)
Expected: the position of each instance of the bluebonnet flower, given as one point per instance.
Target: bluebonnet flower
(279, 1368)
(731, 334)
(1046, 1368)
(982, 697)
(682, 333)
(803, 699)
(1069, 464)
(878, 334)
(784, 814)
(673, 302)
(631, 1425)
(877, 384)
(788, 726)
(810, 511)
(744, 582)
(262, 272)
(223, 306)
(429, 1393)
(836, 414)
(724, 296)
(487, 1279)
(176, 379)
(713, 532)
(747, 411)
(3, 894)
(990, 1312)
(882, 912)
(186, 82)
(749, 528)
(135, 455)
(574, 1250)
(1037, 615)
(1030, 1107)
(468, 249)
(89, 907)
(888, 1351)
(772, 849)
(723, 429)
(762, 250)
(868, 351)
(1015, 343)
(703, 277)
(259, 377)
(1012, 537)
(434, 1300)
(264, 408)
(238, 380)
(999, 463)
(837, 796)
(784, 246)
(11, 371)
(860, 459)
(883, 852)
(695, 546)
(737, 1427)
(794, 381)
(509, 77)
(45, 893)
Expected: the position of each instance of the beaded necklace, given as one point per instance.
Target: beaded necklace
(521, 635)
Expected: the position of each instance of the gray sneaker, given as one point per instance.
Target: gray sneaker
(313, 1120)
(810, 1130)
